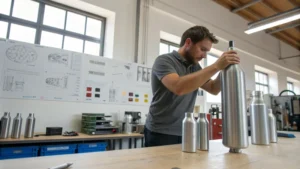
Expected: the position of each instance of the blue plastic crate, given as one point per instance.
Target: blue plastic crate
(18, 152)
(49, 150)
(91, 147)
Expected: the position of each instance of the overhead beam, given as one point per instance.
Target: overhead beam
(289, 57)
(293, 25)
(251, 12)
(245, 6)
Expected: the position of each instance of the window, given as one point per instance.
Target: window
(261, 82)
(51, 24)
(290, 86)
(167, 47)
(210, 59)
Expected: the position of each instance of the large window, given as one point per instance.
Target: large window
(262, 82)
(167, 47)
(290, 86)
(52, 24)
(210, 59)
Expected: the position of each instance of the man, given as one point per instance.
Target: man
(176, 78)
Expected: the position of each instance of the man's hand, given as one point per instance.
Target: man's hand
(227, 58)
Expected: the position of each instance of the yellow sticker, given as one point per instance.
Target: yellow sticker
(146, 101)
(146, 95)
(123, 93)
(136, 100)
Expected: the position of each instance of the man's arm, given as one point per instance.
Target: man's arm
(213, 86)
(188, 83)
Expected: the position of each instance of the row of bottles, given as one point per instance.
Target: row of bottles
(17, 126)
(195, 133)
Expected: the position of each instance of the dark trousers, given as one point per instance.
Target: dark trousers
(158, 139)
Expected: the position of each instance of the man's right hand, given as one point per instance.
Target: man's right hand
(227, 58)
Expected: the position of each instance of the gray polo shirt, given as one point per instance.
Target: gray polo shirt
(167, 110)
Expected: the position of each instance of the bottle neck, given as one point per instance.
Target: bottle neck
(189, 115)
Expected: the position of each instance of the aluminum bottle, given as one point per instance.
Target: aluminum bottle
(5, 125)
(189, 128)
(272, 127)
(260, 134)
(235, 128)
(17, 126)
(30, 124)
(202, 132)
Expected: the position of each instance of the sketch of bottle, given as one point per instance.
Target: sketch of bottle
(8, 83)
(57, 82)
(149, 75)
(112, 93)
(145, 77)
(58, 58)
(139, 73)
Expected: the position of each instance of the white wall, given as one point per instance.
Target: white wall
(174, 17)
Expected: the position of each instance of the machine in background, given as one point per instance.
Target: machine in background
(286, 109)
(132, 122)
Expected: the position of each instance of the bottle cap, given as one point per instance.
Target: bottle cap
(231, 43)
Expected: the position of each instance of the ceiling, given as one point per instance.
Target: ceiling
(258, 9)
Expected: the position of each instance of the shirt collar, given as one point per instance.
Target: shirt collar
(181, 59)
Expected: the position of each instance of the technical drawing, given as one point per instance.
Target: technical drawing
(8, 83)
(149, 75)
(58, 58)
(145, 77)
(21, 54)
(139, 73)
(57, 82)
(112, 93)
(19, 86)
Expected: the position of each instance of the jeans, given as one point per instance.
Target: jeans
(158, 139)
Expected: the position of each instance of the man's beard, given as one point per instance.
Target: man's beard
(189, 57)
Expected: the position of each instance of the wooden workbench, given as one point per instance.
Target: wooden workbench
(283, 155)
(80, 137)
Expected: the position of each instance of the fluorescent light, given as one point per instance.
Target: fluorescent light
(273, 24)
(274, 20)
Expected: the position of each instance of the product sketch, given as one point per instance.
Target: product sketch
(112, 93)
(13, 84)
(57, 82)
(149, 75)
(145, 77)
(8, 83)
(21, 54)
(58, 58)
(139, 73)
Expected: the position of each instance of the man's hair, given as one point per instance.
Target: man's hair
(197, 34)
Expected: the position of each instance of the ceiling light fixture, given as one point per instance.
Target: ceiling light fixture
(273, 21)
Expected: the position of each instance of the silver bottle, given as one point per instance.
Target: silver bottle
(259, 123)
(233, 87)
(202, 132)
(5, 125)
(30, 124)
(272, 127)
(189, 128)
(17, 126)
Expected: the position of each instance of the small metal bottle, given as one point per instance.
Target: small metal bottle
(202, 132)
(272, 127)
(5, 125)
(189, 128)
(30, 124)
(260, 134)
(17, 126)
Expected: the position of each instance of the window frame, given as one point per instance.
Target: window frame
(169, 44)
(262, 84)
(207, 93)
(40, 27)
(292, 84)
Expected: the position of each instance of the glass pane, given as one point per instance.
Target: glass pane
(257, 87)
(173, 48)
(163, 48)
(73, 44)
(261, 77)
(26, 9)
(22, 33)
(5, 7)
(93, 28)
(51, 39)
(92, 48)
(3, 29)
(54, 17)
(75, 23)
(266, 90)
(265, 79)
(256, 77)
(211, 60)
